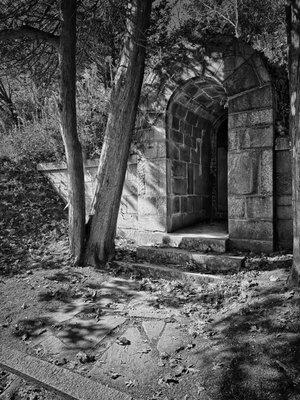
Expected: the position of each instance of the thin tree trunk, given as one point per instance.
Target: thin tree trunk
(67, 56)
(293, 34)
(6, 99)
(121, 120)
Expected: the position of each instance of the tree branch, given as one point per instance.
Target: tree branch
(29, 31)
(212, 9)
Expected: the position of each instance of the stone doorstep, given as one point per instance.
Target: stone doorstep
(66, 383)
(202, 244)
(201, 262)
(192, 242)
(170, 273)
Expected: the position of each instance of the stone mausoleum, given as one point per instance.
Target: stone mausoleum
(214, 158)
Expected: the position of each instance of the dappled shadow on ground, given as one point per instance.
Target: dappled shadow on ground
(78, 317)
(251, 335)
(257, 347)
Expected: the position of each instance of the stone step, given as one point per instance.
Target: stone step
(171, 273)
(191, 261)
(203, 244)
(193, 242)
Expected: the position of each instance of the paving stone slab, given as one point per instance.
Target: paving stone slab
(86, 333)
(59, 380)
(143, 310)
(172, 339)
(153, 329)
(68, 311)
(48, 343)
(133, 362)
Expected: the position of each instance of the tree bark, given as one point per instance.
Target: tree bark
(121, 120)
(293, 34)
(67, 57)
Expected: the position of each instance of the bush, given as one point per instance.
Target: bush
(37, 136)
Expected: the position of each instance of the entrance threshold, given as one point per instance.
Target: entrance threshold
(213, 230)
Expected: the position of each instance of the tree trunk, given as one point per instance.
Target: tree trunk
(121, 120)
(293, 34)
(67, 56)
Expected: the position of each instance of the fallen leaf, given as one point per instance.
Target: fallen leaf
(193, 370)
(114, 375)
(146, 351)
(60, 360)
(163, 355)
(180, 370)
(130, 383)
(123, 341)
(289, 295)
(170, 379)
(84, 358)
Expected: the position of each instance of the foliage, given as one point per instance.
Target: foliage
(181, 29)
(37, 135)
(179, 33)
(92, 109)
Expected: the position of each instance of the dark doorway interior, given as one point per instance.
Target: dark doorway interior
(222, 171)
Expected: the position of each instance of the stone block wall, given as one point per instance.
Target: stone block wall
(128, 213)
(251, 117)
(283, 190)
(250, 171)
(152, 180)
(189, 152)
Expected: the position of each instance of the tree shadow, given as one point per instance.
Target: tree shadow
(258, 348)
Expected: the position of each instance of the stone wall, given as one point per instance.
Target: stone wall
(128, 214)
(283, 191)
(250, 155)
(189, 152)
(151, 179)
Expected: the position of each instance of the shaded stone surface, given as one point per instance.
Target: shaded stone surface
(153, 329)
(48, 343)
(68, 311)
(199, 262)
(251, 229)
(132, 362)
(251, 137)
(172, 339)
(242, 173)
(81, 333)
(62, 381)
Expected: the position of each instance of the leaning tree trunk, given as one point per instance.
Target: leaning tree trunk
(121, 120)
(293, 33)
(67, 56)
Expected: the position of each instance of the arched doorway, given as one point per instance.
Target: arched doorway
(177, 172)
(197, 136)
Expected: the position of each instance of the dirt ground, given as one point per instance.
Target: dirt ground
(236, 338)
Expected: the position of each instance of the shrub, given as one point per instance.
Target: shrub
(37, 136)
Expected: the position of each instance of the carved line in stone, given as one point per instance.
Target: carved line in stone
(248, 91)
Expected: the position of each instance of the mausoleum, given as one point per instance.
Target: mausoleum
(213, 158)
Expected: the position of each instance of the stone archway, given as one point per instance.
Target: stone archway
(196, 115)
(175, 141)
